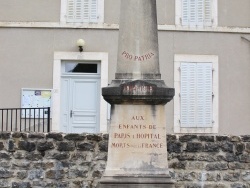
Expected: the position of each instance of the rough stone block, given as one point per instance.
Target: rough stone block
(1, 146)
(245, 138)
(215, 186)
(5, 135)
(239, 147)
(5, 156)
(21, 185)
(222, 138)
(11, 145)
(94, 137)
(212, 147)
(178, 165)
(194, 147)
(19, 155)
(78, 173)
(245, 158)
(4, 183)
(184, 157)
(195, 165)
(22, 174)
(33, 156)
(171, 138)
(214, 177)
(55, 174)
(86, 146)
(43, 165)
(187, 138)
(75, 137)
(237, 165)
(246, 176)
(27, 146)
(227, 147)
(97, 174)
(5, 164)
(4, 173)
(66, 146)
(105, 136)
(239, 185)
(206, 138)
(59, 155)
(19, 135)
(55, 136)
(235, 138)
(247, 147)
(103, 146)
(101, 156)
(35, 174)
(36, 136)
(21, 164)
(230, 157)
(174, 147)
(186, 176)
(216, 166)
(232, 176)
(44, 145)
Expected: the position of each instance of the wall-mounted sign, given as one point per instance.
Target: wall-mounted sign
(35, 98)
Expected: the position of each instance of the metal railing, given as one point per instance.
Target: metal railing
(25, 119)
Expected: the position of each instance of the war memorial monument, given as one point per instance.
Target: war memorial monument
(137, 156)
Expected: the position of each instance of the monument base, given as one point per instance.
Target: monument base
(136, 182)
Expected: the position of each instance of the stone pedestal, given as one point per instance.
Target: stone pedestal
(137, 154)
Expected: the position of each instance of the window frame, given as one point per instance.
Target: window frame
(63, 14)
(178, 59)
(178, 15)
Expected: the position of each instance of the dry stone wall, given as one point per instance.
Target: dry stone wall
(79, 160)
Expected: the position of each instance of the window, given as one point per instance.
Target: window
(196, 13)
(82, 11)
(196, 101)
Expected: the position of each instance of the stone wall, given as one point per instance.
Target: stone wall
(78, 160)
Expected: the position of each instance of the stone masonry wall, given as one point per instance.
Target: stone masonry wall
(78, 160)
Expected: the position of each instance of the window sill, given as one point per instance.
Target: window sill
(107, 26)
(212, 130)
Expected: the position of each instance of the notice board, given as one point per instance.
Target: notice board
(35, 98)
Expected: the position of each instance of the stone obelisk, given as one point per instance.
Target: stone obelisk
(137, 156)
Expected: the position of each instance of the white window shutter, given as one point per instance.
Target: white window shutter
(185, 12)
(208, 12)
(196, 95)
(204, 95)
(188, 95)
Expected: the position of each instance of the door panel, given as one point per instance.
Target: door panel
(83, 101)
(85, 105)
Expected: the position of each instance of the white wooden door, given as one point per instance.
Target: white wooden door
(80, 104)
